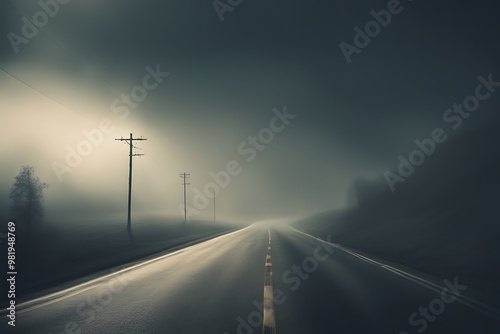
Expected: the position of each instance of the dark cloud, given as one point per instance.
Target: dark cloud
(226, 77)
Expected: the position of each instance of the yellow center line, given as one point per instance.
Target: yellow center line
(269, 322)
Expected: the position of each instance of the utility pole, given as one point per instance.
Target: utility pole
(214, 206)
(130, 141)
(185, 176)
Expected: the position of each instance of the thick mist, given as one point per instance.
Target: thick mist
(213, 86)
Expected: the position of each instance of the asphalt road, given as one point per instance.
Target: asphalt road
(218, 287)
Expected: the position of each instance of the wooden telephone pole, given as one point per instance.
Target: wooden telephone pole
(131, 154)
(185, 183)
(214, 207)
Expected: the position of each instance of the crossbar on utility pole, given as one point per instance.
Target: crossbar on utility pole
(185, 176)
(131, 154)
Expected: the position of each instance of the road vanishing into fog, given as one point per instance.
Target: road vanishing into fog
(218, 287)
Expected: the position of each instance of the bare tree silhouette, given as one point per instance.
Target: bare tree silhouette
(26, 196)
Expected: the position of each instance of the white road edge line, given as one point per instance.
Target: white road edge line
(80, 288)
(478, 306)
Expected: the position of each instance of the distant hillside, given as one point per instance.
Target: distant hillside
(444, 219)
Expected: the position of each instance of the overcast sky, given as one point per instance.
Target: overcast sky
(225, 78)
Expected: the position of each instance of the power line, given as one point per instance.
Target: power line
(43, 94)
(58, 45)
(65, 50)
